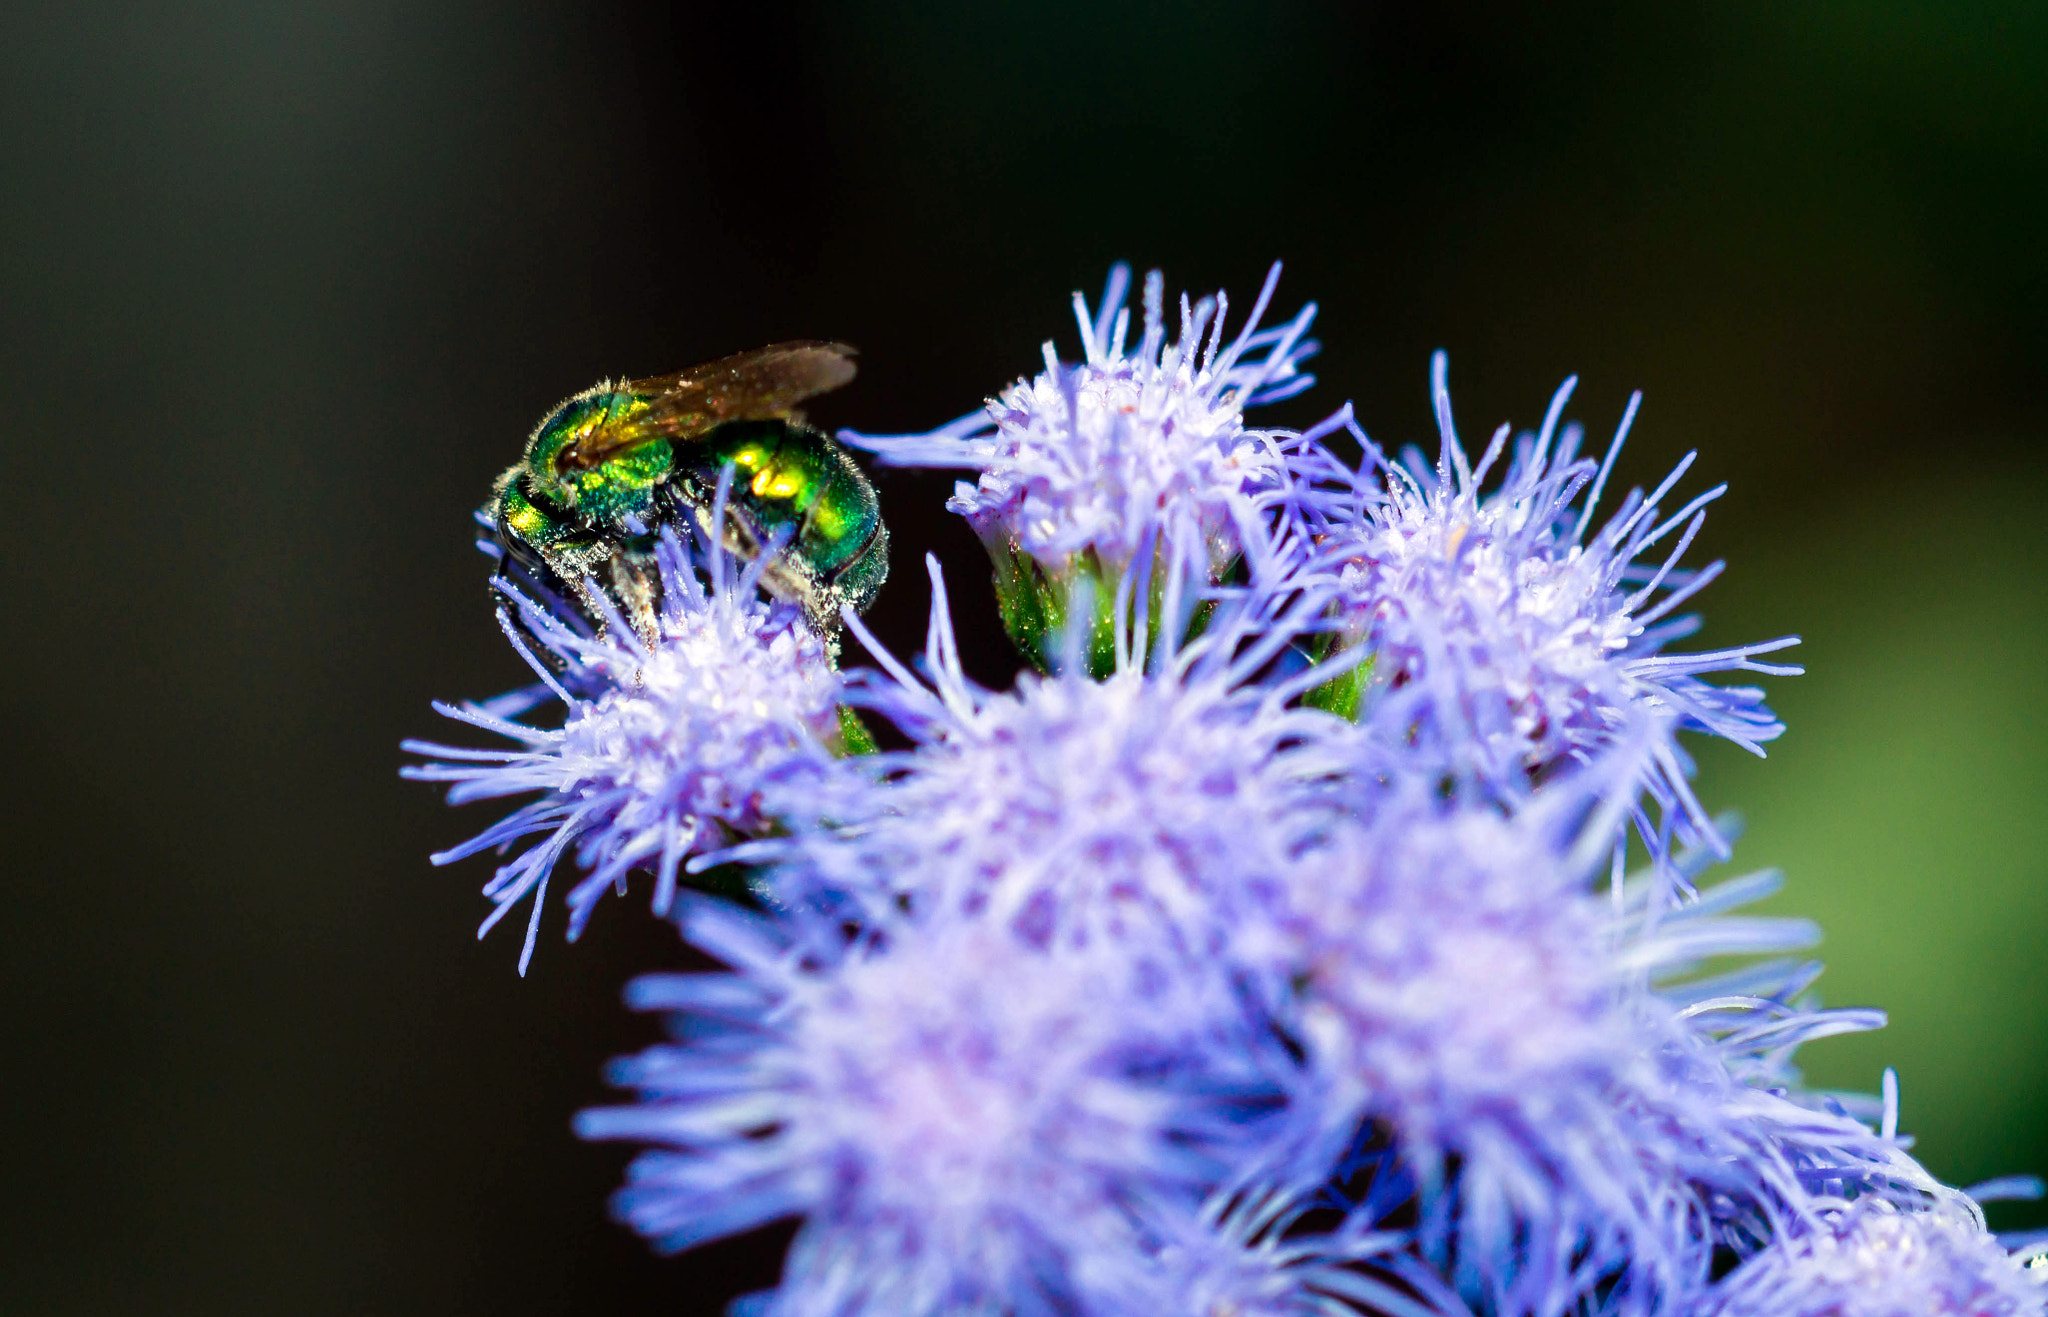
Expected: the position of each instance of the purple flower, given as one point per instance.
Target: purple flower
(1149, 805)
(1258, 1250)
(1465, 994)
(1869, 1258)
(1506, 640)
(1086, 465)
(669, 749)
(1459, 986)
(965, 1123)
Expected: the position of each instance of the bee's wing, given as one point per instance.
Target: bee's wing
(747, 386)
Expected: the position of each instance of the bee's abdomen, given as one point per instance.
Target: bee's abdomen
(793, 483)
(844, 517)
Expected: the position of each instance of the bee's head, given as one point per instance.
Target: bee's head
(551, 450)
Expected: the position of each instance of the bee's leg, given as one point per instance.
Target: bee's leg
(634, 586)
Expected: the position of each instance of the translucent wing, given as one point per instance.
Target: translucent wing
(747, 386)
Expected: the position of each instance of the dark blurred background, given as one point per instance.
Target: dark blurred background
(284, 287)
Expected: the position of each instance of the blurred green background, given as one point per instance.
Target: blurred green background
(283, 287)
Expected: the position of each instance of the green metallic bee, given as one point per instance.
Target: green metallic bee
(606, 470)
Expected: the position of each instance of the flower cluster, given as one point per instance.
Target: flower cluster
(1272, 948)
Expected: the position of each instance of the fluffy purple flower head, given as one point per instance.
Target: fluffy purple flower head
(1468, 996)
(1087, 465)
(963, 1122)
(1147, 805)
(1506, 638)
(1459, 989)
(1268, 1250)
(672, 746)
(1869, 1258)
(1124, 444)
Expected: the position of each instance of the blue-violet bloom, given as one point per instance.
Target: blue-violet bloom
(1086, 464)
(669, 749)
(1869, 1258)
(1468, 995)
(1143, 808)
(965, 1123)
(1506, 639)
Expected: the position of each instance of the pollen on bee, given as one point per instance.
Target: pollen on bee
(771, 483)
